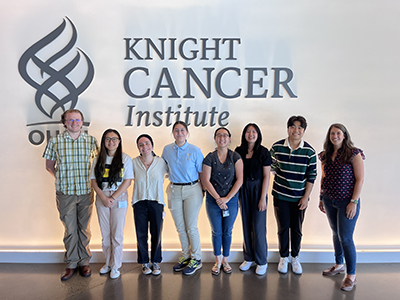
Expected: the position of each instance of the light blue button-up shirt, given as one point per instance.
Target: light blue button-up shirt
(184, 163)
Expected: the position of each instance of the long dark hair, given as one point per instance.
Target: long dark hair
(114, 174)
(244, 146)
(347, 146)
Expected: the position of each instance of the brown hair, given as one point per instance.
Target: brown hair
(347, 145)
(63, 116)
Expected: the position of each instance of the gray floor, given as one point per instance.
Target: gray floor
(42, 281)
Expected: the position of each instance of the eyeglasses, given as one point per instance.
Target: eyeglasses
(76, 120)
(222, 135)
(114, 139)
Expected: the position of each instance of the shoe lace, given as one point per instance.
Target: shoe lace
(192, 263)
(181, 259)
(146, 266)
(295, 261)
(156, 266)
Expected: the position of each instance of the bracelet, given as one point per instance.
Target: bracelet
(112, 197)
(355, 201)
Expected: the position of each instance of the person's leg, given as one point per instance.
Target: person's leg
(175, 205)
(227, 225)
(140, 214)
(192, 202)
(296, 227)
(345, 231)
(156, 224)
(246, 208)
(332, 215)
(214, 214)
(103, 215)
(84, 212)
(66, 205)
(282, 215)
(117, 223)
(259, 224)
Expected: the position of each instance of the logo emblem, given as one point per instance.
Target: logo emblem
(51, 72)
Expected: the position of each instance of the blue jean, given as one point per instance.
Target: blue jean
(222, 226)
(342, 230)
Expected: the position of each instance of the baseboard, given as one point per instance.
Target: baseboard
(171, 255)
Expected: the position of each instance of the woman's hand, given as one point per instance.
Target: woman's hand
(321, 207)
(222, 202)
(107, 201)
(262, 205)
(351, 210)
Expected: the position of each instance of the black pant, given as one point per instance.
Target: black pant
(148, 213)
(254, 223)
(289, 216)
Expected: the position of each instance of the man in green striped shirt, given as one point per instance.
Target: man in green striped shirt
(68, 158)
(294, 162)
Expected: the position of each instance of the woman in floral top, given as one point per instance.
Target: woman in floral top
(341, 184)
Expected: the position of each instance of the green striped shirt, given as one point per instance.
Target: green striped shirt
(293, 169)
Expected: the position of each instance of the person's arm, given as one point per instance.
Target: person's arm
(358, 168)
(321, 204)
(107, 201)
(262, 204)
(206, 175)
(303, 203)
(238, 183)
(51, 166)
(122, 188)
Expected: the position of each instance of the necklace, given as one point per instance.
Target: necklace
(147, 164)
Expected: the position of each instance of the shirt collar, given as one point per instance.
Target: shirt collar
(286, 143)
(183, 147)
(67, 136)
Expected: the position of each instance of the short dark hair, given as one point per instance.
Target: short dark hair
(302, 120)
(220, 128)
(180, 123)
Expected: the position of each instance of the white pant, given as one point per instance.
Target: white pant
(112, 223)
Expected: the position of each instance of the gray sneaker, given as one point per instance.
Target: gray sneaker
(146, 269)
(156, 269)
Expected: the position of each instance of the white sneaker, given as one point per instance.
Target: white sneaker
(246, 265)
(261, 269)
(296, 266)
(146, 269)
(114, 274)
(283, 265)
(156, 269)
(105, 269)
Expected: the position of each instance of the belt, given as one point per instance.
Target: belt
(186, 183)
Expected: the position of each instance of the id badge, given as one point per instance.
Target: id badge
(123, 204)
(225, 213)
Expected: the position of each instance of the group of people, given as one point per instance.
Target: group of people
(228, 180)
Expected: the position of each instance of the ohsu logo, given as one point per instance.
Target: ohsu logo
(54, 67)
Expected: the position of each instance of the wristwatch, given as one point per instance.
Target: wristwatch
(355, 201)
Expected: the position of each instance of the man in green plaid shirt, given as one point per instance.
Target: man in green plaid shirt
(68, 158)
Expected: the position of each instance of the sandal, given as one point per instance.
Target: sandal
(216, 269)
(226, 267)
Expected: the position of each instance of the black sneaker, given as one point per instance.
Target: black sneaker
(192, 267)
(182, 263)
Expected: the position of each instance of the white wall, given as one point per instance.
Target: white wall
(344, 58)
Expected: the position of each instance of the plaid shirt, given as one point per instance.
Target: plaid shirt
(73, 159)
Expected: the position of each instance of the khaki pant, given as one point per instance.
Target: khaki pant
(112, 224)
(185, 202)
(75, 213)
